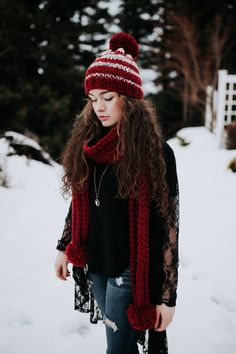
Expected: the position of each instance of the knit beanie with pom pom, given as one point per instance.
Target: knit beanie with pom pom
(116, 69)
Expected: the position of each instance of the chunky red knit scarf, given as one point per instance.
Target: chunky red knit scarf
(141, 313)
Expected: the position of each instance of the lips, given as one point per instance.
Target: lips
(103, 117)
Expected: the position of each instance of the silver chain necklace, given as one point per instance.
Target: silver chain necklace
(97, 190)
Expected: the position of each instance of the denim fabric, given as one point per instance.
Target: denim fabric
(113, 296)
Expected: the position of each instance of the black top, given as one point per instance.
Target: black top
(108, 238)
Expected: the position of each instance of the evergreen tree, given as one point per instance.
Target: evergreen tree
(146, 21)
(45, 47)
(142, 20)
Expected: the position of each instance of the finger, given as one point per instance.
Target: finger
(163, 325)
(159, 323)
(66, 272)
(158, 319)
(59, 274)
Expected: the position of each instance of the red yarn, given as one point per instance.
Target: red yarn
(141, 314)
(125, 41)
(141, 317)
(76, 250)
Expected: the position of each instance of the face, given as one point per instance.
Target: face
(106, 105)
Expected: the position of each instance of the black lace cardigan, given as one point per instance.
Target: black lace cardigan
(164, 262)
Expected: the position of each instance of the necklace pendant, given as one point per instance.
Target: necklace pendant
(97, 202)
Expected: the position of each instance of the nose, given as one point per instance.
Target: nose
(100, 106)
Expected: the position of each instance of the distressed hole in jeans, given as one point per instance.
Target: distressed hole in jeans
(90, 282)
(109, 323)
(119, 281)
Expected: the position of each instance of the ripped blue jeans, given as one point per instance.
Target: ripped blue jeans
(113, 296)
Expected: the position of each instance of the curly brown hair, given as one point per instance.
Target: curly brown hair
(140, 147)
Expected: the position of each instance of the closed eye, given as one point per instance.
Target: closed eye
(106, 99)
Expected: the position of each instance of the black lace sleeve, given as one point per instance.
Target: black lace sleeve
(170, 245)
(66, 234)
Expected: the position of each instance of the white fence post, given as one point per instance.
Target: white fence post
(209, 106)
(220, 107)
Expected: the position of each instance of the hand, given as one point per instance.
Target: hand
(165, 315)
(61, 266)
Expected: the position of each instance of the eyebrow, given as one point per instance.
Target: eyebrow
(101, 93)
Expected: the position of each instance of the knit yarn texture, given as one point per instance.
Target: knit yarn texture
(141, 313)
(116, 69)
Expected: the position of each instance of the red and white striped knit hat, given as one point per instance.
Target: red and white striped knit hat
(116, 69)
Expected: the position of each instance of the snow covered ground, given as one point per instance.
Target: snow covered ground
(36, 309)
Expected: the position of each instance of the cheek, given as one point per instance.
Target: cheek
(116, 108)
(119, 110)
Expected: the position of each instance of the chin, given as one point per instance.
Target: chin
(107, 124)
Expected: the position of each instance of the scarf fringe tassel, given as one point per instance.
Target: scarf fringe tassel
(141, 317)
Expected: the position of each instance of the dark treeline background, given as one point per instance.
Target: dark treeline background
(46, 46)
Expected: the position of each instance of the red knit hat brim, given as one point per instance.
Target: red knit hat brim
(112, 84)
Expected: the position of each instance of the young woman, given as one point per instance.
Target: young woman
(121, 232)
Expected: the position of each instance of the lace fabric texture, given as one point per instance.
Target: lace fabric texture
(66, 234)
(171, 254)
(84, 300)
